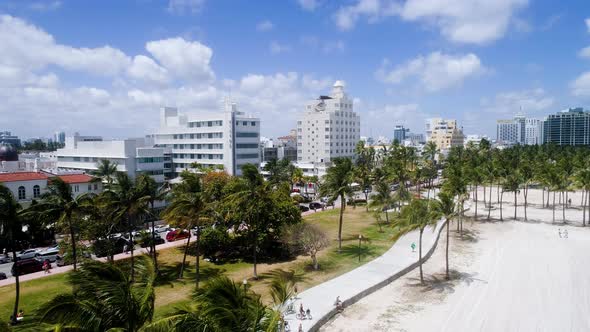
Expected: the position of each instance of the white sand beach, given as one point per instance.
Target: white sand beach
(506, 276)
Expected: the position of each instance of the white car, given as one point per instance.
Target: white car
(27, 254)
(47, 254)
(4, 259)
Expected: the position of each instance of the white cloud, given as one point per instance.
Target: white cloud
(186, 59)
(185, 6)
(265, 25)
(144, 68)
(333, 46)
(587, 21)
(506, 104)
(585, 52)
(278, 48)
(435, 72)
(408, 114)
(464, 21)
(310, 5)
(581, 85)
(47, 5)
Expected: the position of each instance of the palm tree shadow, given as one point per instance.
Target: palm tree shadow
(467, 235)
(352, 250)
(438, 283)
(167, 273)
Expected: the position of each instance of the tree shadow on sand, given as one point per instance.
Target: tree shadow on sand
(468, 235)
(438, 283)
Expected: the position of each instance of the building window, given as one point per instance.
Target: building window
(76, 158)
(22, 193)
(247, 155)
(253, 124)
(36, 191)
(244, 123)
(89, 187)
(76, 188)
(95, 186)
(240, 134)
(247, 146)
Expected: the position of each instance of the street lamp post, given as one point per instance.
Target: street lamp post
(245, 283)
(360, 238)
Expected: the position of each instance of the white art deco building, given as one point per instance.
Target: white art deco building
(329, 128)
(228, 138)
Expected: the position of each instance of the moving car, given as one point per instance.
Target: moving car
(103, 248)
(177, 235)
(26, 254)
(26, 266)
(4, 259)
(316, 205)
(303, 208)
(147, 241)
(2, 275)
(49, 254)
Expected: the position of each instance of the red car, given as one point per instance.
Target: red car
(177, 235)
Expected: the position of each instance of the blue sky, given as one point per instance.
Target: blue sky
(105, 67)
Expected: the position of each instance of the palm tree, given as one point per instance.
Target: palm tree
(188, 206)
(337, 185)
(150, 188)
(106, 170)
(104, 298)
(582, 179)
(11, 225)
(222, 305)
(128, 203)
(60, 203)
(512, 184)
(415, 216)
(382, 199)
(445, 205)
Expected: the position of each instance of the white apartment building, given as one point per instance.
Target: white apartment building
(133, 156)
(228, 138)
(520, 130)
(533, 132)
(444, 133)
(508, 132)
(329, 128)
(26, 186)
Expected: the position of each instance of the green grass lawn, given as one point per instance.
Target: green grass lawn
(177, 292)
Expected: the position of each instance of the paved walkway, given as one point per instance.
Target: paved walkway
(363, 280)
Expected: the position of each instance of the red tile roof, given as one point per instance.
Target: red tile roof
(76, 178)
(22, 176)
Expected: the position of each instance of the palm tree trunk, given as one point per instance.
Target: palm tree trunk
(342, 202)
(198, 253)
(583, 211)
(485, 202)
(16, 284)
(526, 192)
(548, 194)
(447, 251)
(420, 255)
(386, 216)
(501, 205)
(498, 194)
(188, 241)
(563, 207)
(73, 239)
(154, 255)
(554, 207)
(254, 254)
(475, 202)
(366, 200)
(515, 203)
(543, 200)
(490, 205)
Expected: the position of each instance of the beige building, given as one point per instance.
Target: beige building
(444, 133)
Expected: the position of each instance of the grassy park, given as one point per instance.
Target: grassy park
(173, 292)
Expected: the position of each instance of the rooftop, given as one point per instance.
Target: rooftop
(76, 178)
(22, 176)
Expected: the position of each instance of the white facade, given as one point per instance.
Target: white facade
(520, 130)
(228, 138)
(533, 132)
(329, 128)
(133, 156)
(26, 186)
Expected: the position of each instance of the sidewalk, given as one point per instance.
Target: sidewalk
(363, 280)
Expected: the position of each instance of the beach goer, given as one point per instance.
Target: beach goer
(46, 266)
(301, 310)
(20, 316)
(300, 329)
(308, 313)
(126, 248)
(413, 247)
(565, 233)
(559, 231)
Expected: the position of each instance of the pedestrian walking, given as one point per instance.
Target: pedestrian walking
(126, 248)
(413, 245)
(559, 231)
(565, 233)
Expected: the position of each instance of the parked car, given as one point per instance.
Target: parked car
(4, 259)
(316, 205)
(303, 208)
(145, 242)
(103, 248)
(2, 275)
(26, 266)
(49, 254)
(26, 254)
(162, 229)
(177, 235)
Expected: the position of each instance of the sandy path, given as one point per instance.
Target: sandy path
(512, 276)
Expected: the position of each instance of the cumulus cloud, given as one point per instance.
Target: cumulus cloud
(187, 59)
(587, 21)
(265, 25)
(310, 5)
(436, 71)
(509, 103)
(278, 48)
(463, 21)
(185, 6)
(146, 69)
(581, 85)
(47, 5)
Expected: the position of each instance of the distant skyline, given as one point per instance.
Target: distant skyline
(105, 68)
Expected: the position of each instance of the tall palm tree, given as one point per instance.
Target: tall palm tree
(582, 179)
(106, 170)
(129, 204)
(445, 206)
(336, 185)
(415, 216)
(104, 298)
(11, 225)
(188, 206)
(221, 305)
(382, 199)
(60, 203)
(150, 188)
